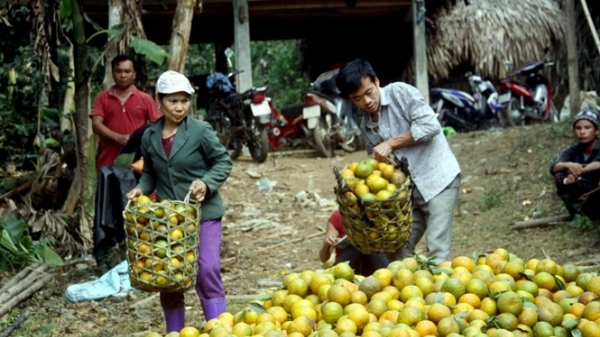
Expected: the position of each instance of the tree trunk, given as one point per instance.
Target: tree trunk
(572, 62)
(115, 14)
(65, 119)
(180, 36)
(82, 129)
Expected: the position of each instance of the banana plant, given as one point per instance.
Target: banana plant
(18, 249)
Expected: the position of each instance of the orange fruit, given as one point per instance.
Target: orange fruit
(360, 317)
(340, 294)
(544, 280)
(546, 265)
(411, 315)
(387, 171)
(453, 286)
(463, 261)
(550, 312)
(346, 325)
(278, 313)
(189, 331)
(471, 299)
(437, 312)
(426, 328)
(363, 170)
(493, 260)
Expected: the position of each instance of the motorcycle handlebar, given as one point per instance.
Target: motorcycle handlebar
(235, 72)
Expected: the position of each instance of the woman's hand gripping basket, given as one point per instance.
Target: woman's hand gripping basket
(374, 200)
(162, 244)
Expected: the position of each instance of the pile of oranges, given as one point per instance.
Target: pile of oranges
(162, 242)
(495, 295)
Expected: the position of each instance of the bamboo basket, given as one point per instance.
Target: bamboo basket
(162, 244)
(379, 226)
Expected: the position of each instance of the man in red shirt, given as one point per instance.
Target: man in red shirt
(120, 110)
(363, 264)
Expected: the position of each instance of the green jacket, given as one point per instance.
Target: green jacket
(196, 154)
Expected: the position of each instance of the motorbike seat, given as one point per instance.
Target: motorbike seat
(522, 84)
(292, 110)
(320, 93)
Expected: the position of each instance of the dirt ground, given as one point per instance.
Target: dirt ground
(267, 234)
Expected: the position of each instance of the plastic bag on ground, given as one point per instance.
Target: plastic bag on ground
(114, 283)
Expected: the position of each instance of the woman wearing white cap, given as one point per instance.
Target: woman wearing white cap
(183, 154)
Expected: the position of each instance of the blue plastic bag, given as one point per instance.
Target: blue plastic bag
(114, 283)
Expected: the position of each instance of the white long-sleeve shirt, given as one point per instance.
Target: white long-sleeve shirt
(432, 164)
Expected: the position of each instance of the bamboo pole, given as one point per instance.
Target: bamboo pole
(17, 278)
(16, 285)
(539, 222)
(586, 11)
(14, 325)
(7, 307)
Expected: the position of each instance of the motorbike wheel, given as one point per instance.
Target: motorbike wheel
(259, 146)
(443, 116)
(359, 142)
(554, 114)
(512, 113)
(322, 141)
(236, 152)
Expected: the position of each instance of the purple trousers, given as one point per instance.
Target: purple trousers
(209, 285)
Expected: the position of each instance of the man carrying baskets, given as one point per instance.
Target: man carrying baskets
(398, 120)
(183, 155)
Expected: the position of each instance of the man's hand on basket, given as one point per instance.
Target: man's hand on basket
(134, 193)
(198, 189)
(382, 150)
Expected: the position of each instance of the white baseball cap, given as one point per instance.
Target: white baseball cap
(171, 81)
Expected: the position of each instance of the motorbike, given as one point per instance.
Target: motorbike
(322, 121)
(239, 119)
(331, 118)
(465, 112)
(531, 100)
(288, 128)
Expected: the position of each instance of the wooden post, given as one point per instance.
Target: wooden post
(420, 49)
(241, 34)
(590, 21)
(115, 16)
(572, 59)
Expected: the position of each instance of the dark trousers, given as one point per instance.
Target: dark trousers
(363, 264)
(590, 206)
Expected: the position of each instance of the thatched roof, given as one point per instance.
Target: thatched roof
(486, 33)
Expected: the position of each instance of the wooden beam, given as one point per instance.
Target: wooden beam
(572, 58)
(241, 33)
(420, 48)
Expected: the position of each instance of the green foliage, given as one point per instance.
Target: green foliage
(490, 200)
(18, 249)
(278, 64)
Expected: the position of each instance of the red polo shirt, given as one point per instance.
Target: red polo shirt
(123, 118)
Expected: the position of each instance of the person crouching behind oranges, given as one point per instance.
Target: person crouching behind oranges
(182, 154)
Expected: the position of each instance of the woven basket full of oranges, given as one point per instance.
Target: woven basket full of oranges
(162, 244)
(374, 200)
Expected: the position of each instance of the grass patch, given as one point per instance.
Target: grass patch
(490, 200)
